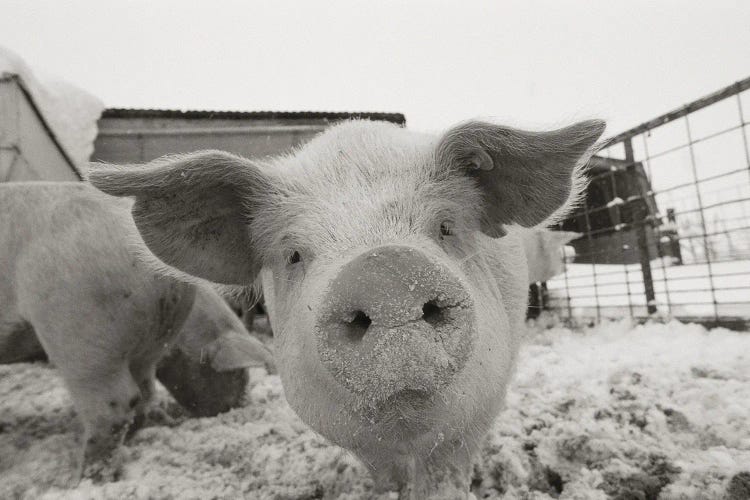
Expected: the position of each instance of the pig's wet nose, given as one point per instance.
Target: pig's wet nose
(393, 310)
(432, 313)
(356, 327)
(392, 285)
(356, 323)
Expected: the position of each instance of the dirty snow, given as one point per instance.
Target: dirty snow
(70, 112)
(614, 411)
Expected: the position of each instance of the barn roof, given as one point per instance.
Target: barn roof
(398, 118)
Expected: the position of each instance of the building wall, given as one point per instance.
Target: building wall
(129, 141)
(28, 149)
(134, 136)
(609, 230)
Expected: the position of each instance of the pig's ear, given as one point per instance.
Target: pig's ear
(565, 237)
(525, 177)
(235, 350)
(193, 211)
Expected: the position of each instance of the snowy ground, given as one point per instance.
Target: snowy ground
(611, 412)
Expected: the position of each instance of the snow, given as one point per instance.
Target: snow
(70, 112)
(612, 410)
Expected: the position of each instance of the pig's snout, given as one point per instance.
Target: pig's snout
(393, 322)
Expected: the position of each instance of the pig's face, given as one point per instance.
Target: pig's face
(379, 286)
(390, 261)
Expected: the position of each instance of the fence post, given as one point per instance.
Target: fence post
(674, 238)
(641, 223)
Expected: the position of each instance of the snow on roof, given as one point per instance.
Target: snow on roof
(70, 113)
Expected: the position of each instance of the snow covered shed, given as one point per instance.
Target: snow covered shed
(29, 149)
(139, 135)
(619, 200)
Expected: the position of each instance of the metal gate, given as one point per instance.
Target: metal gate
(666, 222)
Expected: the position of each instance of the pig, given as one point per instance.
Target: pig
(393, 270)
(546, 255)
(72, 280)
(204, 368)
(205, 371)
(246, 306)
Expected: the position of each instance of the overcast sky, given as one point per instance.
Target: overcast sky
(528, 63)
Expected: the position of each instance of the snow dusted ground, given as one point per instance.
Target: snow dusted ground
(616, 411)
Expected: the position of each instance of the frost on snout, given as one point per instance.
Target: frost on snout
(395, 326)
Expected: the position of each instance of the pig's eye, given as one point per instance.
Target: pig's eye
(446, 228)
(294, 257)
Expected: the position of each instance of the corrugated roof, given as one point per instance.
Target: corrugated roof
(398, 118)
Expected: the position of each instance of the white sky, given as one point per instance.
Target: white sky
(527, 63)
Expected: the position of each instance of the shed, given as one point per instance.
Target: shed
(29, 149)
(619, 203)
(140, 135)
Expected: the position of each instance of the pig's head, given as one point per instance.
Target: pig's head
(391, 264)
(545, 252)
(206, 369)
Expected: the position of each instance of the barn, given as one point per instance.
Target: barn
(29, 148)
(140, 135)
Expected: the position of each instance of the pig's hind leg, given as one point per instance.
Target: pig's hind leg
(106, 402)
(87, 331)
(96, 373)
(144, 373)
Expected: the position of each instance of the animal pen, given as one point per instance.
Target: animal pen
(665, 224)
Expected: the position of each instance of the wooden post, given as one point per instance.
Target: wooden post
(641, 224)
(674, 238)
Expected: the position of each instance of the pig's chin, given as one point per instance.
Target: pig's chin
(404, 413)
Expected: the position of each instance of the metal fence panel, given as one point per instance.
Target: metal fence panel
(666, 221)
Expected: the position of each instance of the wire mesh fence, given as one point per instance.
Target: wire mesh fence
(665, 227)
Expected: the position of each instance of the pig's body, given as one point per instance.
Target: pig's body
(545, 253)
(393, 274)
(104, 318)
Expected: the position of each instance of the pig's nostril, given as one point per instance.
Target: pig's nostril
(361, 319)
(357, 327)
(432, 313)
